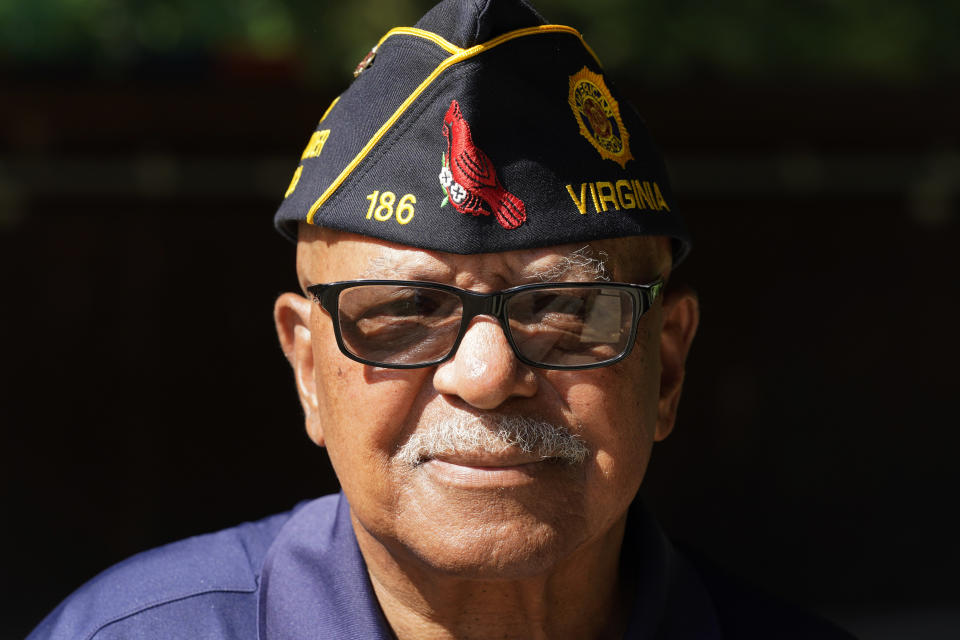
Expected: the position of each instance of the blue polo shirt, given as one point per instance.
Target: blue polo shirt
(300, 576)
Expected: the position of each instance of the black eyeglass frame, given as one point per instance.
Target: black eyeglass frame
(492, 304)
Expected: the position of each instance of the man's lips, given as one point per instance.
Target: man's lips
(489, 460)
(478, 471)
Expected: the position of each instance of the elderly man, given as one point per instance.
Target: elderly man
(487, 348)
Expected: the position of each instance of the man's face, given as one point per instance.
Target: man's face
(484, 512)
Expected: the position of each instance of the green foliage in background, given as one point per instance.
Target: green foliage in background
(661, 41)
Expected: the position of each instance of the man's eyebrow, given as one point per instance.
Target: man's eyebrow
(585, 263)
(378, 267)
(390, 267)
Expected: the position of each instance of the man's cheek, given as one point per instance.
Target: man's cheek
(597, 395)
(617, 405)
(377, 404)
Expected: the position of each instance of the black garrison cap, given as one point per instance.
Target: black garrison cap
(483, 129)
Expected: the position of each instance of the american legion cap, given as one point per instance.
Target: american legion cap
(482, 129)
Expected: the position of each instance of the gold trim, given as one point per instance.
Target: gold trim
(330, 108)
(420, 33)
(459, 55)
(543, 28)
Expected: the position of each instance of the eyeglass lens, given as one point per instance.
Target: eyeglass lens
(409, 325)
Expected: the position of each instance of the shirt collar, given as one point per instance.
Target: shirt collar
(671, 601)
(314, 581)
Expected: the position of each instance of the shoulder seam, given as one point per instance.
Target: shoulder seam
(160, 603)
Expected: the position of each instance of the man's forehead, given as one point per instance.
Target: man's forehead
(580, 262)
(345, 256)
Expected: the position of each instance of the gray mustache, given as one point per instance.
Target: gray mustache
(494, 434)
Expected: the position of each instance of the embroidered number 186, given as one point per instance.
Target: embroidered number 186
(381, 206)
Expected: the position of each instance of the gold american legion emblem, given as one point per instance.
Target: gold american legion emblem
(598, 115)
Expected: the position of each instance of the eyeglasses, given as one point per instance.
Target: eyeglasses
(405, 324)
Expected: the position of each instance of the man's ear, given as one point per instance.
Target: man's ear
(291, 313)
(681, 314)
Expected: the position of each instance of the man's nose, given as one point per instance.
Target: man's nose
(485, 372)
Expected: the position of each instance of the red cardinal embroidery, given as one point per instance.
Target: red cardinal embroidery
(470, 179)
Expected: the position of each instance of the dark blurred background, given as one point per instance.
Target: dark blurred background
(814, 146)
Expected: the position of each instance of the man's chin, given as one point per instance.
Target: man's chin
(492, 523)
(498, 551)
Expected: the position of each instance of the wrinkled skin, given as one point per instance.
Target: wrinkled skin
(487, 545)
